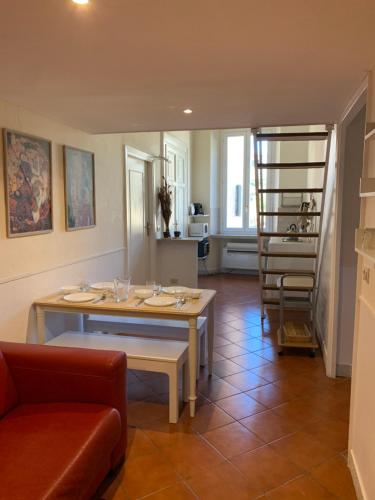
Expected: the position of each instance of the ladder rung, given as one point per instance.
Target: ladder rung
(293, 136)
(288, 271)
(291, 190)
(289, 288)
(291, 235)
(289, 254)
(315, 164)
(275, 214)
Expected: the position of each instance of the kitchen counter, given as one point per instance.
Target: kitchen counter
(177, 261)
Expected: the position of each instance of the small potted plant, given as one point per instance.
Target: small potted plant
(165, 199)
(177, 233)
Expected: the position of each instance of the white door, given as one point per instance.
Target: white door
(137, 220)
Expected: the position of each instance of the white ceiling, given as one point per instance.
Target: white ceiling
(130, 65)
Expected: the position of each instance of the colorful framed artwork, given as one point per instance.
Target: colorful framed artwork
(79, 189)
(28, 184)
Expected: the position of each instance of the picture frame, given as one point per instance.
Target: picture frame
(27, 183)
(79, 182)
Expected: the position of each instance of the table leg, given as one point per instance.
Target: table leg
(211, 334)
(81, 323)
(41, 324)
(193, 344)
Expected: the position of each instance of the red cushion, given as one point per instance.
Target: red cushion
(56, 450)
(8, 394)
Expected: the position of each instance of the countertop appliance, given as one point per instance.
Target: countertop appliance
(198, 208)
(198, 229)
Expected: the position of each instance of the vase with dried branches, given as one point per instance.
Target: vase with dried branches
(165, 199)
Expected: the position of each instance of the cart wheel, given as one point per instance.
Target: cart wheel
(280, 352)
(312, 353)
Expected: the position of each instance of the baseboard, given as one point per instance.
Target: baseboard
(356, 476)
(224, 270)
(344, 371)
(250, 272)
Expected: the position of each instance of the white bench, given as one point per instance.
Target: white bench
(164, 356)
(150, 328)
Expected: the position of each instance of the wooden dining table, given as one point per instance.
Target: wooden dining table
(188, 312)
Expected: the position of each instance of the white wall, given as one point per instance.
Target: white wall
(206, 186)
(33, 266)
(350, 212)
(201, 169)
(362, 414)
(325, 263)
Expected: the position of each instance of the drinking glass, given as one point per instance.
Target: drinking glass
(84, 285)
(155, 287)
(121, 288)
(179, 293)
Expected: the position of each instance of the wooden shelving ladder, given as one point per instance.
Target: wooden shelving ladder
(264, 214)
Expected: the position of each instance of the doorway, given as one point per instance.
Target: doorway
(138, 171)
(348, 220)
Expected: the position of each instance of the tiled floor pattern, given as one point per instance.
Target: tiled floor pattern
(267, 427)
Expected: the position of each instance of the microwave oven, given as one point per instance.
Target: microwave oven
(198, 229)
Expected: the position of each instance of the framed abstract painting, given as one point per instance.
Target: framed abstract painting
(79, 189)
(28, 184)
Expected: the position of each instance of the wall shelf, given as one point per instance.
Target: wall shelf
(367, 187)
(370, 131)
(365, 243)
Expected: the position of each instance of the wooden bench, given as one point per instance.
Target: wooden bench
(150, 328)
(163, 356)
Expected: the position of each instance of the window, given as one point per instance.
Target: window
(239, 199)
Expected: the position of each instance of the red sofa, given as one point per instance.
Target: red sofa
(62, 420)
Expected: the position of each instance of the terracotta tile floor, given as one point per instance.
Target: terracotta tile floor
(266, 426)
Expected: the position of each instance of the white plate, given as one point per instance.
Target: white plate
(80, 297)
(160, 301)
(143, 293)
(103, 285)
(70, 288)
(171, 290)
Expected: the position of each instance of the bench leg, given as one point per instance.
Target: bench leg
(173, 395)
(41, 324)
(192, 360)
(185, 382)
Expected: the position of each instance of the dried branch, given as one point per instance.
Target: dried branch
(165, 199)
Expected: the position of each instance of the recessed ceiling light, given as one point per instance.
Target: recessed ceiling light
(81, 2)
(188, 111)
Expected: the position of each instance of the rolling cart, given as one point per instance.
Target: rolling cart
(297, 334)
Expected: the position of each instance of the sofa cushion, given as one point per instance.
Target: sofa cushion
(8, 393)
(56, 450)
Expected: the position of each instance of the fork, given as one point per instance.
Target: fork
(99, 299)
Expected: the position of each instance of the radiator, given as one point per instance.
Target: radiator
(240, 256)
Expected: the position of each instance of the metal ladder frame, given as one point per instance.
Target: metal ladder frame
(261, 213)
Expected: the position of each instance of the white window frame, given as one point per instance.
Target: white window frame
(246, 182)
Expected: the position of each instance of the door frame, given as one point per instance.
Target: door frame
(330, 348)
(131, 152)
